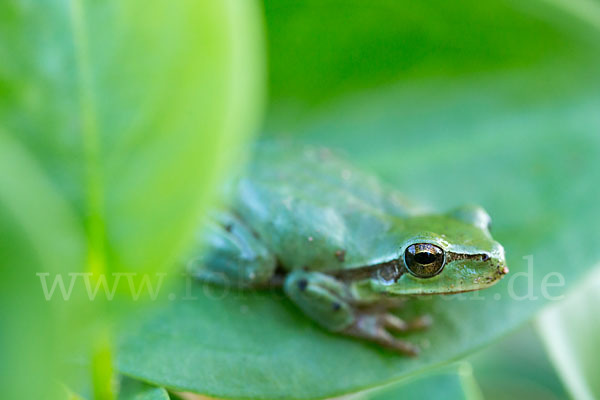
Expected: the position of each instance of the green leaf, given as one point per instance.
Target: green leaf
(529, 188)
(455, 382)
(132, 389)
(129, 389)
(127, 106)
(72, 396)
(40, 234)
(360, 47)
(53, 230)
(518, 136)
(517, 367)
(571, 333)
(115, 123)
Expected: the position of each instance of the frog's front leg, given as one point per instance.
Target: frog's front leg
(329, 302)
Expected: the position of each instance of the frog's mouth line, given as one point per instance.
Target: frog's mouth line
(459, 291)
(488, 284)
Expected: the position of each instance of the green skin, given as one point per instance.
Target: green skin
(335, 238)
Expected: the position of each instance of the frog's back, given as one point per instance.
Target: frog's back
(314, 210)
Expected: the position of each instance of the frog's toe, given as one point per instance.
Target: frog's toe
(398, 345)
(421, 323)
(377, 328)
(405, 348)
(393, 323)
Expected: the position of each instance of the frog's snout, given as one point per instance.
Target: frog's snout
(498, 258)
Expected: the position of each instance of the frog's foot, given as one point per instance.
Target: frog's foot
(377, 328)
(328, 302)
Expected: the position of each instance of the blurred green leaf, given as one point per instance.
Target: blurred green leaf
(39, 234)
(320, 51)
(571, 333)
(72, 396)
(116, 123)
(56, 235)
(455, 382)
(517, 367)
(125, 104)
(514, 129)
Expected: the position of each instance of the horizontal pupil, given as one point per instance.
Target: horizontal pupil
(425, 257)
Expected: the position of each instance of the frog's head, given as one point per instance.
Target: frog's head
(448, 253)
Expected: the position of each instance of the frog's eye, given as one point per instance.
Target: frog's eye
(424, 260)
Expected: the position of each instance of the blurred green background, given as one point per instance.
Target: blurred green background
(119, 122)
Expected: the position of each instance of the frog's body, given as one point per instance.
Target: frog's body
(342, 244)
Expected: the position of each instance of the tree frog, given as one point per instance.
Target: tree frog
(344, 247)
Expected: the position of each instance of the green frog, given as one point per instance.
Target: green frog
(345, 248)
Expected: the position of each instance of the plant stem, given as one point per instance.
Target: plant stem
(102, 371)
(102, 365)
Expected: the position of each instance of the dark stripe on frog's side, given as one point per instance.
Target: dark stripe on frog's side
(389, 270)
(394, 269)
(450, 256)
